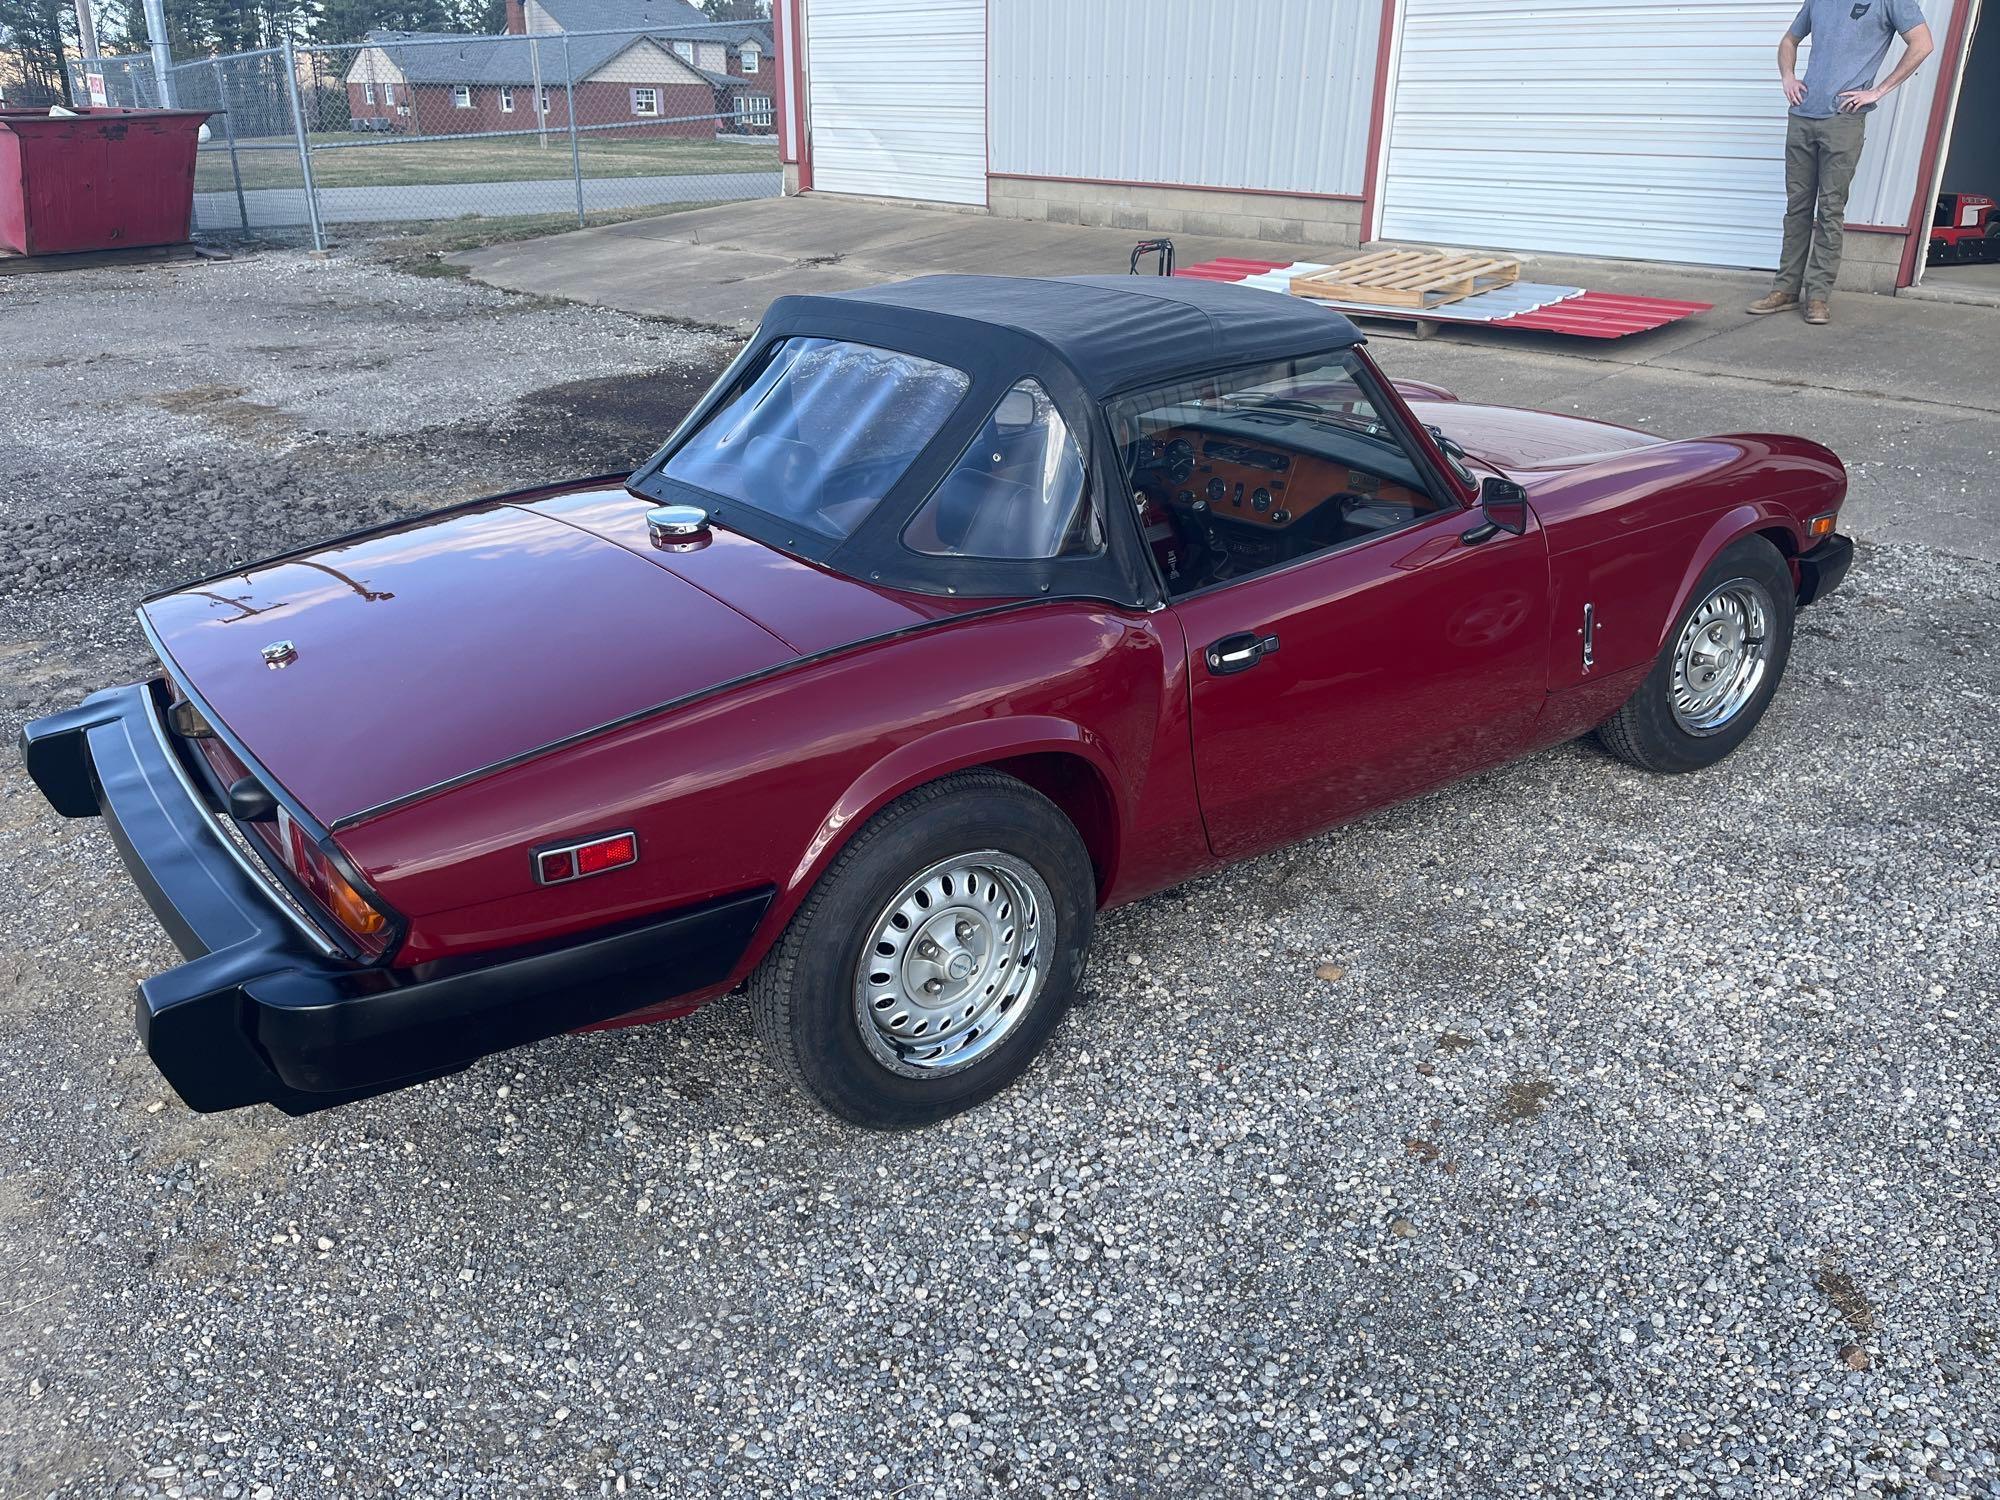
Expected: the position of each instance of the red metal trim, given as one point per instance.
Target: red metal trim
(986, 103)
(800, 41)
(1956, 50)
(1191, 187)
(779, 65)
(1371, 201)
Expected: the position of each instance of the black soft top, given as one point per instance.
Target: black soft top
(1115, 332)
(1083, 338)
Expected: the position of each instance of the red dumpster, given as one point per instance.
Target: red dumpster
(103, 179)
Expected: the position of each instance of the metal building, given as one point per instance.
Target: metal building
(1626, 128)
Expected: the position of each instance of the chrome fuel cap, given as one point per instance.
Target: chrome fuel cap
(677, 525)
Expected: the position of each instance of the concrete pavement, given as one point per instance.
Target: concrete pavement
(1907, 391)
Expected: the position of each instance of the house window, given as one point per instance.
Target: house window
(751, 57)
(754, 109)
(543, 105)
(368, 92)
(388, 93)
(506, 101)
(645, 101)
(684, 51)
(461, 96)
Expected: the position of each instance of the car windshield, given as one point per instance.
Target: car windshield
(820, 431)
(1319, 393)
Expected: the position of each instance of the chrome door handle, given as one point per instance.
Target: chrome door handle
(1239, 652)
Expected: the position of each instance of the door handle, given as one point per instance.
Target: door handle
(1239, 652)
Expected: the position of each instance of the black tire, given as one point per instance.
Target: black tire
(1646, 732)
(802, 997)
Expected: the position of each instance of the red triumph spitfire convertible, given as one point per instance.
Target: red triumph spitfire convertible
(957, 610)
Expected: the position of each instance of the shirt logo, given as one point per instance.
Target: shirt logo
(1860, 10)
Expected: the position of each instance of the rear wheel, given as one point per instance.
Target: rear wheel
(935, 956)
(1719, 669)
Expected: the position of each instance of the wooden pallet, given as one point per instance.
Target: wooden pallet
(1408, 278)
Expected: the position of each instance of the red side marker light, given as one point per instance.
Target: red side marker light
(607, 854)
(592, 857)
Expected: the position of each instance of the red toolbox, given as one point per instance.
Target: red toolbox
(101, 179)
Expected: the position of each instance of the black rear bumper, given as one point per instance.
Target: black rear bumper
(268, 1011)
(1822, 569)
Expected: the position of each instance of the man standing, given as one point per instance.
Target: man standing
(1823, 137)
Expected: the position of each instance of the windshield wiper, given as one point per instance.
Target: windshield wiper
(1454, 454)
(1311, 411)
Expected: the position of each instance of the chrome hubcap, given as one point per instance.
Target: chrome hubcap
(1720, 658)
(953, 963)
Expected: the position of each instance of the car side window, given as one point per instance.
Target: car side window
(1018, 492)
(1239, 473)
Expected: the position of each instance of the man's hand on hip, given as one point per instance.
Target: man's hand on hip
(1857, 99)
(1794, 90)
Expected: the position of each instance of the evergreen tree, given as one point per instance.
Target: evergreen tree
(33, 34)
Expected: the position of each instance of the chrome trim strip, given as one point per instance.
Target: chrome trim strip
(230, 836)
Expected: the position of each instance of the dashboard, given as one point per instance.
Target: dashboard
(1235, 505)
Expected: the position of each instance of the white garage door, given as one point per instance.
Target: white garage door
(897, 98)
(1629, 128)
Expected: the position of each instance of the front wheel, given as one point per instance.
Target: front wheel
(935, 956)
(1719, 669)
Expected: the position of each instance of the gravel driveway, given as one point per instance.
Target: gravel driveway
(1567, 1132)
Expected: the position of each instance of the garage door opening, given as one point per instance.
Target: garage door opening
(1964, 246)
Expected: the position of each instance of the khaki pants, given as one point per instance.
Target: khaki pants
(1819, 166)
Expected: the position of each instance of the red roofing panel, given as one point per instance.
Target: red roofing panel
(1590, 315)
(1602, 315)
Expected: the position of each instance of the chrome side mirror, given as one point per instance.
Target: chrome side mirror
(1503, 506)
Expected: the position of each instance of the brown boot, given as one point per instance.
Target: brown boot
(1772, 302)
(1818, 312)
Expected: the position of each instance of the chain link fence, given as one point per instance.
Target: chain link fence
(401, 129)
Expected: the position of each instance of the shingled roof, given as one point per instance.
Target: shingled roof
(470, 58)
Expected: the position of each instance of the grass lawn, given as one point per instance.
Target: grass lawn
(397, 161)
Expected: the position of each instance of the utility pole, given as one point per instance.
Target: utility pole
(86, 31)
(163, 54)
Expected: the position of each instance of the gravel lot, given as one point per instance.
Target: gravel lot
(1570, 1131)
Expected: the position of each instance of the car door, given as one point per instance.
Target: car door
(1377, 671)
(1333, 674)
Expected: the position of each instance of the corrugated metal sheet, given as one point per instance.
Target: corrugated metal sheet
(1259, 94)
(1605, 315)
(897, 98)
(1594, 127)
(1522, 305)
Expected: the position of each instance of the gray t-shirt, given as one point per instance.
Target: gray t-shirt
(1850, 39)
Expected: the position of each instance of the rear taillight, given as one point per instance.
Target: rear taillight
(328, 886)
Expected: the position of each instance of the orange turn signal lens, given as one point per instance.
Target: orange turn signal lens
(1820, 526)
(346, 903)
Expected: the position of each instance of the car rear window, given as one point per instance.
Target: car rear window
(820, 431)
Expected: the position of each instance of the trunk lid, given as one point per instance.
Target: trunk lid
(426, 652)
